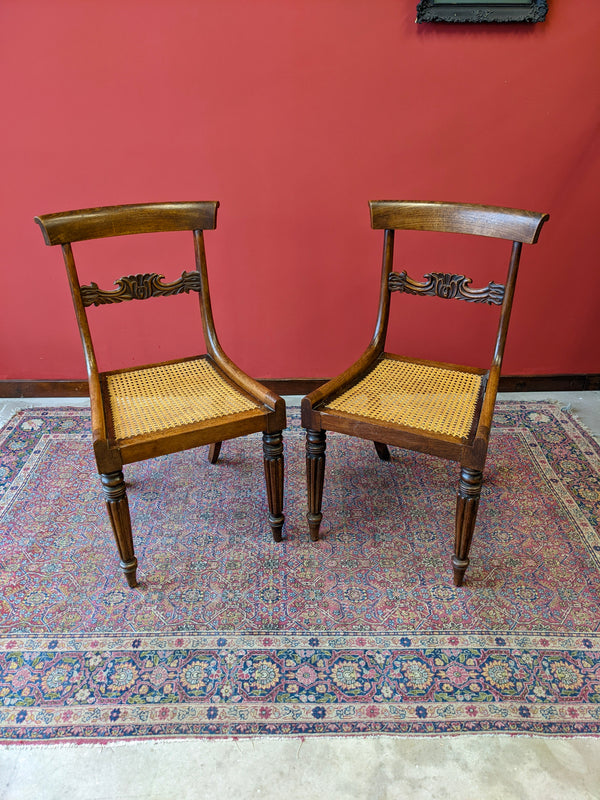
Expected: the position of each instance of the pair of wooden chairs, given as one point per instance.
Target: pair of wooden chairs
(437, 408)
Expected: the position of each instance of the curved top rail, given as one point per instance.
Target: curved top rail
(503, 223)
(97, 223)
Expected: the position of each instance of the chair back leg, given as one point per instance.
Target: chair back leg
(213, 452)
(382, 451)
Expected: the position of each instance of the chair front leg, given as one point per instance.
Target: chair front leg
(467, 503)
(213, 452)
(316, 442)
(115, 496)
(273, 457)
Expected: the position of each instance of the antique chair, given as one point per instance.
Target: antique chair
(142, 412)
(437, 408)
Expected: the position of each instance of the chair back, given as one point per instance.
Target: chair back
(520, 227)
(98, 223)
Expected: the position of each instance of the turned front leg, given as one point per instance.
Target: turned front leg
(115, 496)
(316, 442)
(273, 458)
(467, 503)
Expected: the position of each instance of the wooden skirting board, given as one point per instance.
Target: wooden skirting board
(302, 386)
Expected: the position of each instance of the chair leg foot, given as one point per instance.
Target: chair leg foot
(130, 572)
(382, 451)
(458, 570)
(316, 443)
(115, 496)
(213, 452)
(273, 458)
(467, 504)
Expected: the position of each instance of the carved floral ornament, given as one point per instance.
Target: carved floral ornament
(140, 287)
(447, 286)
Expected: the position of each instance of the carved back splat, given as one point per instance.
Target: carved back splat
(140, 287)
(447, 286)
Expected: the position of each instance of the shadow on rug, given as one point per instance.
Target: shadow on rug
(360, 633)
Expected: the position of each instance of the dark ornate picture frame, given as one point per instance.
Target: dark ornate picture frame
(475, 11)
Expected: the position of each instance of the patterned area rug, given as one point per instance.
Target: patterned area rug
(231, 634)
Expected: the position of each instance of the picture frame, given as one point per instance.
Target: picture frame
(476, 11)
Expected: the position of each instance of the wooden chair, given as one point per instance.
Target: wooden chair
(437, 408)
(163, 408)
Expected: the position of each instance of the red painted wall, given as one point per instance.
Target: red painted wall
(294, 113)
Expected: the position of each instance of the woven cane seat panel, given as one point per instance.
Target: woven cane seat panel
(157, 398)
(431, 399)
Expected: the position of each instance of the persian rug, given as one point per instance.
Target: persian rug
(231, 634)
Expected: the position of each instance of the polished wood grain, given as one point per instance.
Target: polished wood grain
(96, 223)
(502, 223)
(112, 453)
(470, 451)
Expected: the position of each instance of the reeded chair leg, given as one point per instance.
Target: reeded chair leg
(467, 503)
(115, 496)
(213, 452)
(273, 457)
(316, 442)
(382, 451)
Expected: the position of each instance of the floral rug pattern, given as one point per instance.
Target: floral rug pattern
(231, 634)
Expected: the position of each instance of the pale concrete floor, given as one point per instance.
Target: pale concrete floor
(476, 767)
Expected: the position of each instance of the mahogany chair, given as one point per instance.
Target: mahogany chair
(143, 412)
(437, 408)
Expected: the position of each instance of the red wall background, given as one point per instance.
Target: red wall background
(294, 113)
